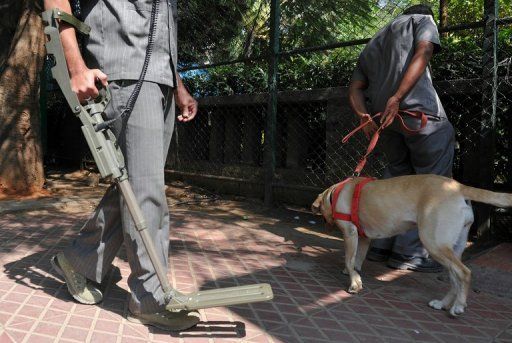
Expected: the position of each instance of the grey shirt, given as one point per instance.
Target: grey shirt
(384, 60)
(119, 36)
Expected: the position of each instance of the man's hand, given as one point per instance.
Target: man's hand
(422, 55)
(369, 129)
(186, 103)
(83, 83)
(390, 112)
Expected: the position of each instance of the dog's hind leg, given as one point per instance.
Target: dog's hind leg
(463, 274)
(448, 300)
(351, 248)
(460, 276)
(458, 248)
(440, 230)
(460, 244)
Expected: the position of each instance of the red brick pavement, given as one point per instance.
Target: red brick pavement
(216, 247)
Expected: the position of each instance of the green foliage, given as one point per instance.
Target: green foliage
(310, 23)
(206, 29)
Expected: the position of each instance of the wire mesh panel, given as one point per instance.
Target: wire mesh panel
(457, 74)
(226, 67)
(503, 170)
(226, 139)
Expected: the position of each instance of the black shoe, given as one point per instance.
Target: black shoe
(415, 263)
(378, 255)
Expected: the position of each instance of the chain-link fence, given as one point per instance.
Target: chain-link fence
(239, 139)
(282, 140)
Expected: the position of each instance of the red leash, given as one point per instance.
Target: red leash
(376, 135)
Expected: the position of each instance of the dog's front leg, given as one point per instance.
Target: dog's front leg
(362, 249)
(350, 237)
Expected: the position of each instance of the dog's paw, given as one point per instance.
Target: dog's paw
(457, 310)
(436, 304)
(355, 287)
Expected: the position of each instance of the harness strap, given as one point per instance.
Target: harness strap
(334, 199)
(354, 210)
(71, 20)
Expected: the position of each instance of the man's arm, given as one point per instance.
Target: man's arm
(419, 62)
(356, 97)
(186, 103)
(358, 104)
(82, 78)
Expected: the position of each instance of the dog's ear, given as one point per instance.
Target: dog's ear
(315, 207)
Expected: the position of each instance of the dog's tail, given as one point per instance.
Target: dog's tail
(487, 197)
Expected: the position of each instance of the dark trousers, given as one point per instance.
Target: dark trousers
(429, 152)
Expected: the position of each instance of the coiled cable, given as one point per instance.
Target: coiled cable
(136, 90)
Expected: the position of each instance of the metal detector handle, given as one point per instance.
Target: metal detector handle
(98, 104)
(56, 54)
(102, 143)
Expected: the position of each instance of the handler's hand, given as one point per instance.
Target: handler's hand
(186, 103)
(83, 83)
(391, 111)
(369, 129)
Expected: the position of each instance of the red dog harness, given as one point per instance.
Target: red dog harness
(354, 208)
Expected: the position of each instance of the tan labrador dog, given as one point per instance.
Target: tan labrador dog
(436, 205)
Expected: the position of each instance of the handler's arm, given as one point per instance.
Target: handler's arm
(82, 78)
(186, 103)
(356, 97)
(419, 62)
(358, 104)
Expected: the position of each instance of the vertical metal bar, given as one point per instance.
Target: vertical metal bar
(271, 123)
(483, 213)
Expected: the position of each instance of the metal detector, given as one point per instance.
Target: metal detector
(110, 161)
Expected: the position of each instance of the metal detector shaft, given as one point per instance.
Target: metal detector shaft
(140, 225)
(110, 162)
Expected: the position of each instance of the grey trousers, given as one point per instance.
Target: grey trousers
(429, 152)
(144, 139)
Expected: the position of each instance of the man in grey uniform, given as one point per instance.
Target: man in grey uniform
(115, 50)
(392, 75)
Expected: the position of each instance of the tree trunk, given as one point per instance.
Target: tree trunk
(21, 159)
(443, 13)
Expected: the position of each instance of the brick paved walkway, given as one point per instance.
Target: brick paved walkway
(225, 244)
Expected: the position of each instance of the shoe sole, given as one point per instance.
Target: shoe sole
(409, 266)
(137, 320)
(59, 271)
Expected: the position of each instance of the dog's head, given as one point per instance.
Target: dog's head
(322, 206)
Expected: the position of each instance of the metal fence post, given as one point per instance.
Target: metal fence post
(487, 147)
(270, 128)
